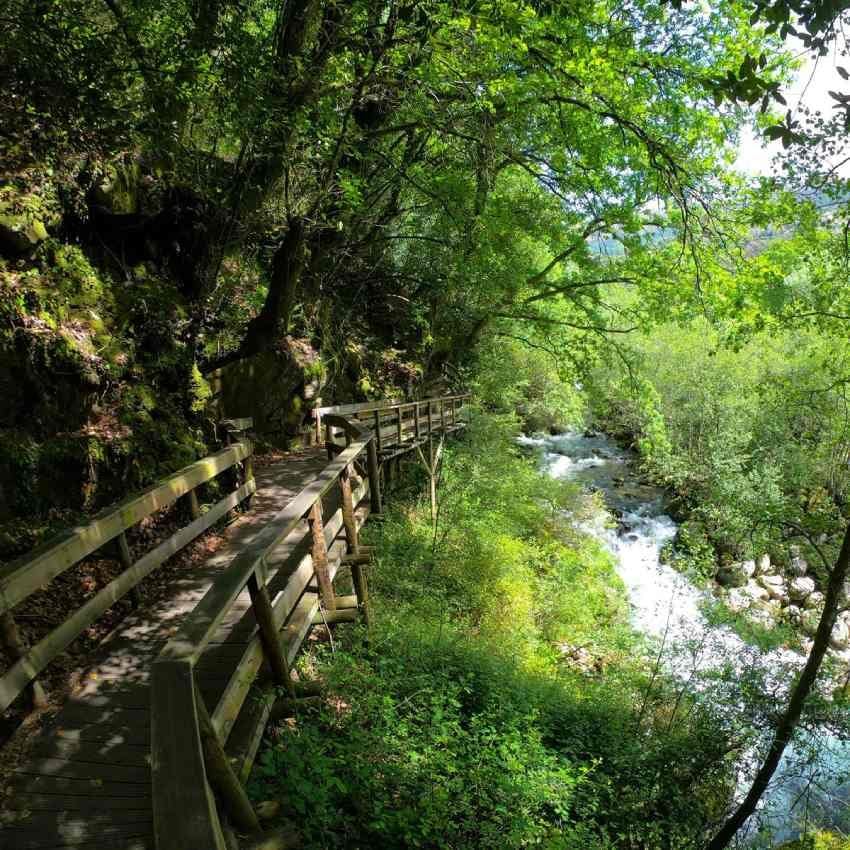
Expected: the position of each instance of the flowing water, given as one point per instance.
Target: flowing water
(809, 789)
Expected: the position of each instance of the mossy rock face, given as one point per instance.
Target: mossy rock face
(275, 389)
(118, 188)
(24, 221)
(62, 472)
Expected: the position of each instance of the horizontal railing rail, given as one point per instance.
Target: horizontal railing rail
(191, 766)
(21, 578)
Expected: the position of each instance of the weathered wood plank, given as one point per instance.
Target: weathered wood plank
(103, 801)
(202, 622)
(185, 815)
(25, 669)
(20, 578)
(79, 834)
(227, 709)
(72, 769)
(223, 778)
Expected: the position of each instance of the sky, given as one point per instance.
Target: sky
(810, 88)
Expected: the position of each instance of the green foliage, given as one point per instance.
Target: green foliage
(752, 433)
(818, 841)
(199, 390)
(463, 722)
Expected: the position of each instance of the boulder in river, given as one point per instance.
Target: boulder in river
(809, 621)
(794, 614)
(764, 614)
(798, 566)
(801, 588)
(763, 564)
(814, 601)
(738, 601)
(773, 584)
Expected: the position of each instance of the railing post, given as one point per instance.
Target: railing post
(329, 440)
(17, 648)
(378, 438)
(194, 504)
(126, 557)
(374, 477)
(318, 417)
(264, 615)
(416, 420)
(221, 775)
(358, 576)
(348, 521)
(430, 434)
(399, 436)
(320, 555)
(443, 414)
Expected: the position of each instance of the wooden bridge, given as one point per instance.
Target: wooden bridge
(153, 750)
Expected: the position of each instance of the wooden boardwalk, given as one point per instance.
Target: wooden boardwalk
(152, 750)
(87, 781)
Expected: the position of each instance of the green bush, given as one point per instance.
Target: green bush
(466, 720)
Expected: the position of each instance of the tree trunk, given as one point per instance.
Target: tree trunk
(801, 691)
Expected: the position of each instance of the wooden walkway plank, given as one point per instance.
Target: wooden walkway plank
(91, 764)
(87, 780)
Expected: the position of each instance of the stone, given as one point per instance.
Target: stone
(801, 588)
(268, 809)
(748, 568)
(809, 621)
(774, 585)
(770, 580)
(793, 614)
(798, 566)
(738, 601)
(763, 564)
(764, 614)
(20, 233)
(814, 601)
(755, 591)
(840, 637)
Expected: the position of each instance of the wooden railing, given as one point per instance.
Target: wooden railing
(190, 760)
(21, 578)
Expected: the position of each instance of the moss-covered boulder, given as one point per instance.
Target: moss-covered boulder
(117, 188)
(25, 218)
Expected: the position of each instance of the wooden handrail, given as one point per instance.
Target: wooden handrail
(197, 629)
(19, 579)
(187, 740)
(370, 406)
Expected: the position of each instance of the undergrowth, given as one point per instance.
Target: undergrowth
(464, 717)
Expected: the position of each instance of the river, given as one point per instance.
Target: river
(812, 786)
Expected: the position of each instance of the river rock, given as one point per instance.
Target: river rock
(738, 601)
(814, 601)
(773, 584)
(840, 637)
(798, 566)
(764, 614)
(801, 588)
(793, 614)
(733, 575)
(763, 564)
(809, 621)
(755, 591)
(268, 809)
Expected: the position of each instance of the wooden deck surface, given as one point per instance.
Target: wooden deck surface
(86, 782)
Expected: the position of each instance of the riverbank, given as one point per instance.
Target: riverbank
(695, 644)
(503, 698)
